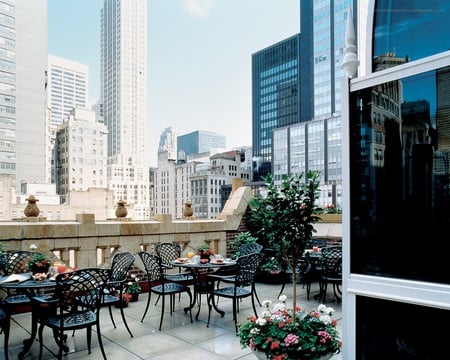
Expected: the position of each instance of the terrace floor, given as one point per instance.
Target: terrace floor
(178, 339)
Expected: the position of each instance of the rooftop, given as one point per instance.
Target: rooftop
(178, 338)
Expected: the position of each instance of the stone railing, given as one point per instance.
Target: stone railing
(87, 243)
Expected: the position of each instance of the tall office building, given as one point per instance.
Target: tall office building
(67, 89)
(124, 99)
(276, 97)
(23, 66)
(168, 142)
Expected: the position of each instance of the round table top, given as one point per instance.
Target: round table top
(27, 284)
(210, 264)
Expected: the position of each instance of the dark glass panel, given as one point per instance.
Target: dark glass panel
(400, 178)
(406, 30)
(393, 330)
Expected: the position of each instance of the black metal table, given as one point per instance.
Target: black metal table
(201, 283)
(29, 288)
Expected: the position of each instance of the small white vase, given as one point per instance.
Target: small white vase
(262, 356)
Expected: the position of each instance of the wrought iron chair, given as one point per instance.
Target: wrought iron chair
(5, 323)
(243, 285)
(228, 275)
(159, 285)
(331, 272)
(74, 305)
(15, 262)
(120, 265)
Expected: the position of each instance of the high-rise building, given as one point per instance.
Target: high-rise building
(23, 67)
(276, 97)
(200, 141)
(168, 142)
(124, 99)
(67, 89)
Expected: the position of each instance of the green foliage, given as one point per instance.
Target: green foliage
(280, 336)
(284, 219)
(133, 287)
(240, 239)
(39, 260)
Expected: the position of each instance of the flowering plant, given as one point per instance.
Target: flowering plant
(271, 265)
(311, 335)
(38, 260)
(133, 287)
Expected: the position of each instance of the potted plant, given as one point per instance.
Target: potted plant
(283, 222)
(134, 289)
(38, 263)
(276, 335)
(205, 252)
(271, 272)
(242, 238)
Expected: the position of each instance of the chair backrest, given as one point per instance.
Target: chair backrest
(332, 260)
(247, 266)
(81, 290)
(15, 262)
(168, 252)
(250, 248)
(120, 265)
(152, 265)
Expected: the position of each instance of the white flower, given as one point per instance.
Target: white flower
(130, 283)
(261, 322)
(254, 331)
(282, 298)
(325, 318)
(329, 311)
(267, 303)
(279, 307)
(265, 314)
(322, 308)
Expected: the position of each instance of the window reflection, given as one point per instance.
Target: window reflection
(409, 30)
(400, 172)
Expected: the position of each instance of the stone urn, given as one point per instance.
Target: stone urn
(121, 210)
(31, 210)
(187, 211)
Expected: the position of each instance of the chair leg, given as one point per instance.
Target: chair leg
(89, 337)
(100, 341)
(162, 310)
(5, 326)
(148, 304)
(111, 316)
(125, 321)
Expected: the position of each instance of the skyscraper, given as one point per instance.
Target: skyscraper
(275, 85)
(124, 98)
(23, 66)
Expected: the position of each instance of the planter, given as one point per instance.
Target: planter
(262, 356)
(134, 297)
(330, 218)
(40, 269)
(271, 278)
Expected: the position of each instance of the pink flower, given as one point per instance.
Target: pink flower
(324, 337)
(290, 339)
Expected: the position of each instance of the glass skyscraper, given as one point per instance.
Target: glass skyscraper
(276, 98)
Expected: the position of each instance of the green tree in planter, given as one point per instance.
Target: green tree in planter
(283, 220)
(242, 238)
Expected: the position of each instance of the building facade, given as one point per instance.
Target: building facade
(200, 141)
(275, 98)
(82, 152)
(23, 66)
(67, 89)
(124, 100)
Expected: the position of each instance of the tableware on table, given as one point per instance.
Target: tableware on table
(190, 254)
(196, 259)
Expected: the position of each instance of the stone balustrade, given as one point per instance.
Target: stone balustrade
(86, 242)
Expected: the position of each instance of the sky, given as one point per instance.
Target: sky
(199, 58)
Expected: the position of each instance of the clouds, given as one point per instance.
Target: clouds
(198, 8)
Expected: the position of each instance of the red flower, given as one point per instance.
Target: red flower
(278, 357)
(274, 345)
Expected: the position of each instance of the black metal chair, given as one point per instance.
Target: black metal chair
(15, 262)
(5, 324)
(227, 275)
(74, 305)
(120, 265)
(159, 285)
(331, 272)
(168, 252)
(243, 285)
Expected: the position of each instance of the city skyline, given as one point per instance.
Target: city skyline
(199, 70)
